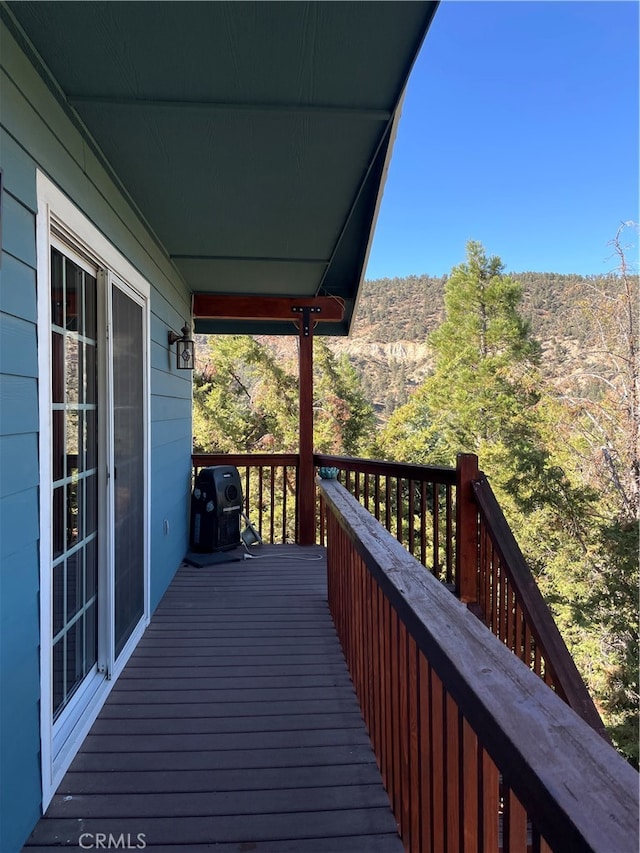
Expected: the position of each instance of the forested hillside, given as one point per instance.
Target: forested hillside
(394, 316)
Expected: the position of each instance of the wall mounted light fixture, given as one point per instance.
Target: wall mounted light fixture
(184, 348)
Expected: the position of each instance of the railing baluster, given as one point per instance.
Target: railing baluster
(387, 501)
(247, 490)
(438, 740)
(489, 789)
(452, 777)
(514, 823)
(470, 776)
(423, 526)
(388, 721)
(537, 659)
(415, 793)
(285, 483)
(495, 586)
(380, 698)
(411, 513)
(449, 535)
(435, 503)
(510, 608)
(272, 495)
(260, 498)
(426, 770)
(395, 718)
(404, 730)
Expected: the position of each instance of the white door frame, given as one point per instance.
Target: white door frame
(59, 747)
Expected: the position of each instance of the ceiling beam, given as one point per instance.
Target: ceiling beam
(220, 106)
(208, 306)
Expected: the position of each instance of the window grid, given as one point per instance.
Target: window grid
(75, 475)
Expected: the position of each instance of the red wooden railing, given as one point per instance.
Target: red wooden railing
(512, 606)
(449, 519)
(415, 503)
(476, 753)
(270, 487)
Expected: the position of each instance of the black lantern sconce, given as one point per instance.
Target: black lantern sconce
(184, 348)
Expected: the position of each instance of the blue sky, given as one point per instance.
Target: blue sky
(520, 130)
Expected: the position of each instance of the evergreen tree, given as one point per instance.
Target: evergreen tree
(485, 382)
(246, 399)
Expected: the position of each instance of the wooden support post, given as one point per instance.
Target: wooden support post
(306, 481)
(466, 528)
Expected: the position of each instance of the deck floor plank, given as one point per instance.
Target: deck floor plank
(233, 727)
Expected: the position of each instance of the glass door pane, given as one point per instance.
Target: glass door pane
(75, 477)
(129, 467)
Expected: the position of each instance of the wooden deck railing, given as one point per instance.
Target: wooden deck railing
(512, 606)
(270, 487)
(449, 519)
(477, 754)
(415, 503)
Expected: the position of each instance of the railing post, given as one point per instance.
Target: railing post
(306, 482)
(466, 528)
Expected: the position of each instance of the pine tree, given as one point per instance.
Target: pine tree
(485, 382)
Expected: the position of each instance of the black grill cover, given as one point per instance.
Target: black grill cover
(216, 506)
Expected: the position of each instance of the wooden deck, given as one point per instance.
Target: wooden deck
(234, 727)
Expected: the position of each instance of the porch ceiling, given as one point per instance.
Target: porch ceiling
(253, 137)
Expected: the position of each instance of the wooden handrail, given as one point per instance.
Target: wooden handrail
(433, 473)
(203, 460)
(451, 711)
(563, 674)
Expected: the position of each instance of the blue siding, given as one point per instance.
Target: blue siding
(19, 404)
(18, 170)
(18, 463)
(18, 346)
(19, 705)
(19, 298)
(169, 503)
(35, 133)
(18, 231)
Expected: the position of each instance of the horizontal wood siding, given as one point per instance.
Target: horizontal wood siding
(36, 132)
(19, 533)
(234, 724)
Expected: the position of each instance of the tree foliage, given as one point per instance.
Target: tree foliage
(246, 399)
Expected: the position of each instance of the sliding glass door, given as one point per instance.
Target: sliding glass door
(128, 463)
(93, 400)
(98, 447)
